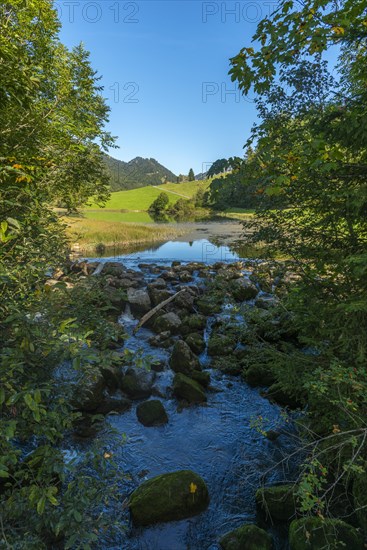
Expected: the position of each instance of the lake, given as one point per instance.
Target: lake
(208, 242)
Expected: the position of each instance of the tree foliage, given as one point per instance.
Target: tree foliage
(52, 118)
(311, 175)
(159, 205)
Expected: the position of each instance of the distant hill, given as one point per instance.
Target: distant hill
(138, 172)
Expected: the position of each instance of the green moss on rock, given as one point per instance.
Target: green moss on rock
(151, 413)
(242, 290)
(259, 375)
(246, 537)
(221, 344)
(193, 323)
(277, 503)
(209, 306)
(169, 497)
(183, 359)
(279, 395)
(186, 388)
(203, 378)
(196, 342)
(317, 534)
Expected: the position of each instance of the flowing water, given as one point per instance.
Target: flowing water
(217, 441)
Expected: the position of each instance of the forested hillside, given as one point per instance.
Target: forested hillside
(138, 172)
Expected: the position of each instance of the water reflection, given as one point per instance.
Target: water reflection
(201, 250)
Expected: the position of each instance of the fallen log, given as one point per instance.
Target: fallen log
(153, 311)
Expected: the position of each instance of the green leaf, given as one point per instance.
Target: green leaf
(41, 505)
(77, 516)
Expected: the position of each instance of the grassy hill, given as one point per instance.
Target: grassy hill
(140, 199)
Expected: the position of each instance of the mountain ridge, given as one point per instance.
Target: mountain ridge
(138, 172)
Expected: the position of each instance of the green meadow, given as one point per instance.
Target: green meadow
(141, 199)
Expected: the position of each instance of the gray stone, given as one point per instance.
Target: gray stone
(183, 359)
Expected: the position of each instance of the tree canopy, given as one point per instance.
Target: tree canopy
(310, 170)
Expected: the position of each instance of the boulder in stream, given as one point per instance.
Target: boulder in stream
(88, 392)
(187, 389)
(113, 403)
(259, 375)
(314, 533)
(169, 497)
(277, 502)
(139, 301)
(151, 413)
(196, 342)
(193, 323)
(202, 377)
(137, 383)
(158, 295)
(183, 359)
(167, 322)
(277, 394)
(247, 537)
(221, 344)
(116, 269)
(242, 290)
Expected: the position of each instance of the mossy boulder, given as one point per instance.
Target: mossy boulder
(317, 534)
(242, 290)
(203, 378)
(187, 389)
(112, 375)
(112, 403)
(277, 503)
(247, 537)
(278, 394)
(196, 342)
(183, 359)
(221, 344)
(151, 413)
(360, 498)
(167, 322)
(158, 295)
(137, 384)
(228, 365)
(193, 323)
(208, 305)
(259, 375)
(88, 392)
(169, 497)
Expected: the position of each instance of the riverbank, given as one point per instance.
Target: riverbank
(93, 235)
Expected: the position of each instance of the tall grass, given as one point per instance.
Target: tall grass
(90, 233)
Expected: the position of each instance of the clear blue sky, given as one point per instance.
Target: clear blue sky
(164, 66)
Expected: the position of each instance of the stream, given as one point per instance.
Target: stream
(216, 440)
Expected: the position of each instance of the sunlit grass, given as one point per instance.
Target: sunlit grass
(113, 216)
(89, 233)
(142, 198)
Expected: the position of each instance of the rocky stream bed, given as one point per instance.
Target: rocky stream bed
(206, 432)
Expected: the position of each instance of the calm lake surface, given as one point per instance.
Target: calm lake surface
(207, 242)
